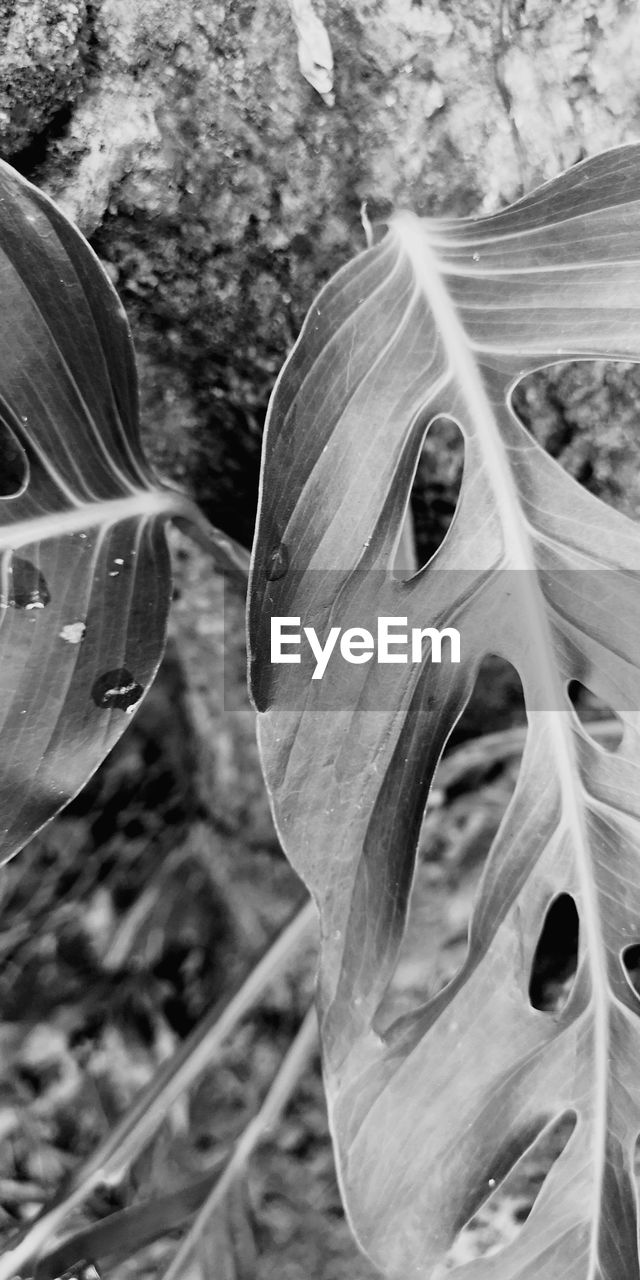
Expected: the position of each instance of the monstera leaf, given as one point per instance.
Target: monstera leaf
(430, 1113)
(84, 570)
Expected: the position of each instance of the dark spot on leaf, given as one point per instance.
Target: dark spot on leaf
(116, 688)
(277, 562)
(556, 957)
(27, 587)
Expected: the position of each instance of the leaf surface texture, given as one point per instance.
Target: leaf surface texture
(442, 318)
(85, 578)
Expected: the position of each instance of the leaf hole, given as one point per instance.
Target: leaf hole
(497, 702)
(511, 1195)
(556, 956)
(598, 719)
(436, 486)
(564, 408)
(471, 791)
(630, 961)
(14, 467)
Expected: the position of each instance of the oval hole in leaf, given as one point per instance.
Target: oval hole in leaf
(630, 961)
(14, 467)
(512, 1194)
(565, 408)
(497, 701)
(461, 820)
(590, 709)
(556, 956)
(436, 486)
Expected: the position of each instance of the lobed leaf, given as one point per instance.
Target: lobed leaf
(85, 578)
(430, 1113)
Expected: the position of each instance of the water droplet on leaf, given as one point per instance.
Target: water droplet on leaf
(116, 688)
(27, 587)
(82, 1271)
(277, 562)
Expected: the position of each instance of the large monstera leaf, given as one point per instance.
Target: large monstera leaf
(441, 318)
(84, 569)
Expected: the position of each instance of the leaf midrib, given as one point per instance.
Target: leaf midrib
(412, 239)
(145, 504)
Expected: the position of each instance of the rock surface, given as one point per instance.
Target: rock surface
(44, 59)
(222, 189)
